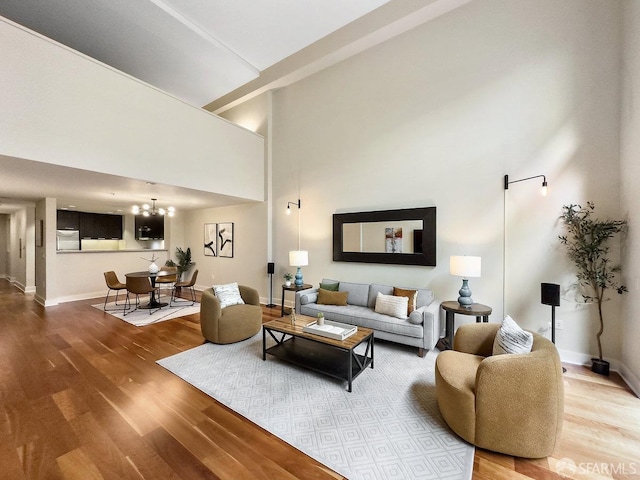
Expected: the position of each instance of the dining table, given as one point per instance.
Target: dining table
(153, 301)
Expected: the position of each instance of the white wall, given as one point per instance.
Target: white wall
(61, 107)
(4, 253)
(630, 172)
(249, 263)
(437, 117)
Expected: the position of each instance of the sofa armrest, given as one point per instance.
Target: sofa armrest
(476, 338)
(431, 324)
(310, 295)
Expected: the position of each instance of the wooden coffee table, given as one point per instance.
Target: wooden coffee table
(335, 358)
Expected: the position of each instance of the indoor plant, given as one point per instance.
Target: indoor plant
(287, 278)
(184, 260)
(586, 243)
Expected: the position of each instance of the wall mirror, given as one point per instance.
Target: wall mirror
(401, 237)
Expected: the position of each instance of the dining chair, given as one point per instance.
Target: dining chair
(189, 286)
(138, 286)
(113, 284)
(166, 281)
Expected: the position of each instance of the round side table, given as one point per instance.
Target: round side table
(481, 312)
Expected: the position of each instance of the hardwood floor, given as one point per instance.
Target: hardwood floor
(81, 397)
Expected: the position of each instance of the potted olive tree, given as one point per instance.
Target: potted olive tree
(586, 242)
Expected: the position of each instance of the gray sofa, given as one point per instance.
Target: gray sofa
(421, 329)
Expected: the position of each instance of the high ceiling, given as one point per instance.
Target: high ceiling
(197, 50)
(206, 52)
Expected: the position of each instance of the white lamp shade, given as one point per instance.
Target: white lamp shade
(298, 258)
(465, 266)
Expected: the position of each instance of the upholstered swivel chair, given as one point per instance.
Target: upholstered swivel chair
(189, 286)
(113, 284)
(233, 323)
(138, 286)
(511, 403)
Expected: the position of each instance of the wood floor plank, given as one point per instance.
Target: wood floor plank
(82, 397)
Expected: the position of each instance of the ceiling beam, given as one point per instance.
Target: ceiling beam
(388, 21)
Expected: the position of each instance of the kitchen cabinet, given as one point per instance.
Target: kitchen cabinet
(100, 225)
(67, 220)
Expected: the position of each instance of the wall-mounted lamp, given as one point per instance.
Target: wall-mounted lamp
(297, 258)
(544, 182)
(504, 231)
(297, 204)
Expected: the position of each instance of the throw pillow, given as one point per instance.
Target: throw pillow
(332, 287)
(392, 305)
(412, 295)
(228, 294)
(512, 339)
(327, 297)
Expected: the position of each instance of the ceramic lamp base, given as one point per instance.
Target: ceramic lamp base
(299, 281)
(465, 299)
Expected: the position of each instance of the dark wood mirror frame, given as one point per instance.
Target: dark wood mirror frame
(426, 257)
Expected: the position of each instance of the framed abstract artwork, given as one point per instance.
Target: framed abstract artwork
(225, 239)
(210, 244)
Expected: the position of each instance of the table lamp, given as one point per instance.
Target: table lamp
(298, 258)
(465, 267)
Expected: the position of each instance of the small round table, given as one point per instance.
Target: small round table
(153, 302)
(451, 308)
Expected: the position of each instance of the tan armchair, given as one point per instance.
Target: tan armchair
(512, 404)
(233, 323)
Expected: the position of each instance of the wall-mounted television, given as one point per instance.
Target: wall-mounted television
(149, 228)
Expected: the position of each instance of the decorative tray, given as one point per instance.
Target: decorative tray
(335, 330)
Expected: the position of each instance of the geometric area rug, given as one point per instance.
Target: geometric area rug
(389, 427)
(142, 317)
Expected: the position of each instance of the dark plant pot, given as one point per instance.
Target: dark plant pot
(600, 367)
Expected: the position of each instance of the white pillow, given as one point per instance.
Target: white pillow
(390, 305)
(228, 294)
(511, 338)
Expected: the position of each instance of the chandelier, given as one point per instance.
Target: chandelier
(147, 210)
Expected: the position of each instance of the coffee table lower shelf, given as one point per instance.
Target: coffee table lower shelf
(321, 357)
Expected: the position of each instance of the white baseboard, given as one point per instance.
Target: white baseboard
(630, 378)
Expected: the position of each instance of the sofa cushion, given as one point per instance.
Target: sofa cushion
(332, 287)
(364, 317)
(228, 294)
(376, 288)
(412, 295)
(511, 338)
(327, 297)
(358, 293)
(392, 305)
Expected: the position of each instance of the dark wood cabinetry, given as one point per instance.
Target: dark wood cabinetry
(149, 228)
(67, 220)
(91, 225)
(100, 225)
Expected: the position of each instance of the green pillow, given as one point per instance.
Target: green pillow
(332, 287)
(327, 297)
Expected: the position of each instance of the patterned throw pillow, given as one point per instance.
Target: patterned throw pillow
(228, 294)
(412, 295)
(392, 305)
(327, 297)
(512, 339)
